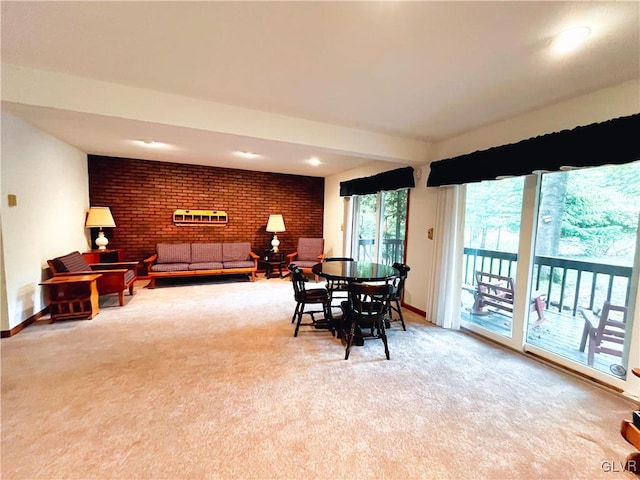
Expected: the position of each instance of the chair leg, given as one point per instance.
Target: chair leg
(350, 335)
(295, 313)
(592, 350)
(399, 310)
(383, 334)
(300, 312)
(121, 297)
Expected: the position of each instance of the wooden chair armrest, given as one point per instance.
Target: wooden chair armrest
(254, 256)
(151, 260)
(107, 271)
(114, 265)
(291, 256)
(589, 319)
(321, 257)
(71, 274)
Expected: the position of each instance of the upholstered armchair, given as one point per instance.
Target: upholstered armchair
(310, 252)
(115, 277)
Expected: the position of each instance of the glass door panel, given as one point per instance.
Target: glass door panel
(586, 242)
(365, 228)
(393, 228)
(491, 241)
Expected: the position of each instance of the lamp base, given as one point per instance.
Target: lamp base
(101, 241)
(275, 243)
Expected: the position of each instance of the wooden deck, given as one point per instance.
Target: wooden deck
(559, 333)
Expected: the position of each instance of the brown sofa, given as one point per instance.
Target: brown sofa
(115, 277)
(200, 259)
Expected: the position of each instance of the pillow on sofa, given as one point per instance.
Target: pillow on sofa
(234, 252)
(206, 252)
(174, 252)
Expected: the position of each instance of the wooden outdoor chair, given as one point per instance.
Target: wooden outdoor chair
(604, 334)
(498, 291)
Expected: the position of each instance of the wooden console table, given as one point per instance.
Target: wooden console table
(73, 296)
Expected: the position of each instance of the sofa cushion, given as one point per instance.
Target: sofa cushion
(239, 264)
(206, 266)
(174, 253)
(72, 262)
(306, 263)
(309, 249)
(206, 252)
(235, 252)
(169, 267)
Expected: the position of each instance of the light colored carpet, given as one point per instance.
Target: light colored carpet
(205, 380)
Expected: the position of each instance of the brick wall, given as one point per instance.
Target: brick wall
(143, 195)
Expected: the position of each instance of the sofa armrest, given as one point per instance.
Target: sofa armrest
(255, 258)
(321, 257)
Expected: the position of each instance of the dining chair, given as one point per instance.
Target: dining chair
(605, 334)
(396, 299)
(309, 296)
(365, 313)
(338, 288)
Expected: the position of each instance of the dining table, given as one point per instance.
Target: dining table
(353, 271)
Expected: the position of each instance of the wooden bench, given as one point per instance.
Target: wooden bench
(498, 291)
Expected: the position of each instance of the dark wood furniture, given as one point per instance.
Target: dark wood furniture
(367, 309)
(354, 271)
(274, 261)
(114, 278)
(73, 296)
(396, 298)
(631, 433)
(311, 296)
(108, 255)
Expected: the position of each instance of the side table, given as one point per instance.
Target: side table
(72, 296)
(109, 255)
(274, 260)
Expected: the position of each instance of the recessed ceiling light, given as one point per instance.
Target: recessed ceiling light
(570, 39)
(249, 155)
(314, 161)
(151, 144)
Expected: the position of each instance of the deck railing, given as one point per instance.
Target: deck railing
(392, 250)
(569, 284)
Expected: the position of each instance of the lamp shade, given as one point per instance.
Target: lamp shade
(100, 217)
(275, 224)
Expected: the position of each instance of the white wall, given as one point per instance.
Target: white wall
(613, 102)
(51, 182)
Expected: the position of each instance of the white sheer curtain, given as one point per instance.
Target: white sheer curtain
(443, 297)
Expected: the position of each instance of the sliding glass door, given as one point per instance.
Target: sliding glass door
(379, 227)
(550, 265)
(491, 240)
(586, 243)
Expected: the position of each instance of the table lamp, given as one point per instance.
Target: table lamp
(275, 225)
(100, 217)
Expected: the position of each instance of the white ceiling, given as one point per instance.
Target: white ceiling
(405, 71)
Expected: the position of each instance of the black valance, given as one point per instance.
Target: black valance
(391, 180)
(615, 141)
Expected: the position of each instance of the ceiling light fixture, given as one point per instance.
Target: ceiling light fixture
(249, 155)
(570, 39)
(314, 161)
(151, 144)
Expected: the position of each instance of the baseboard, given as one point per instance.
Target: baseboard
(25, 324)
(414, 309)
